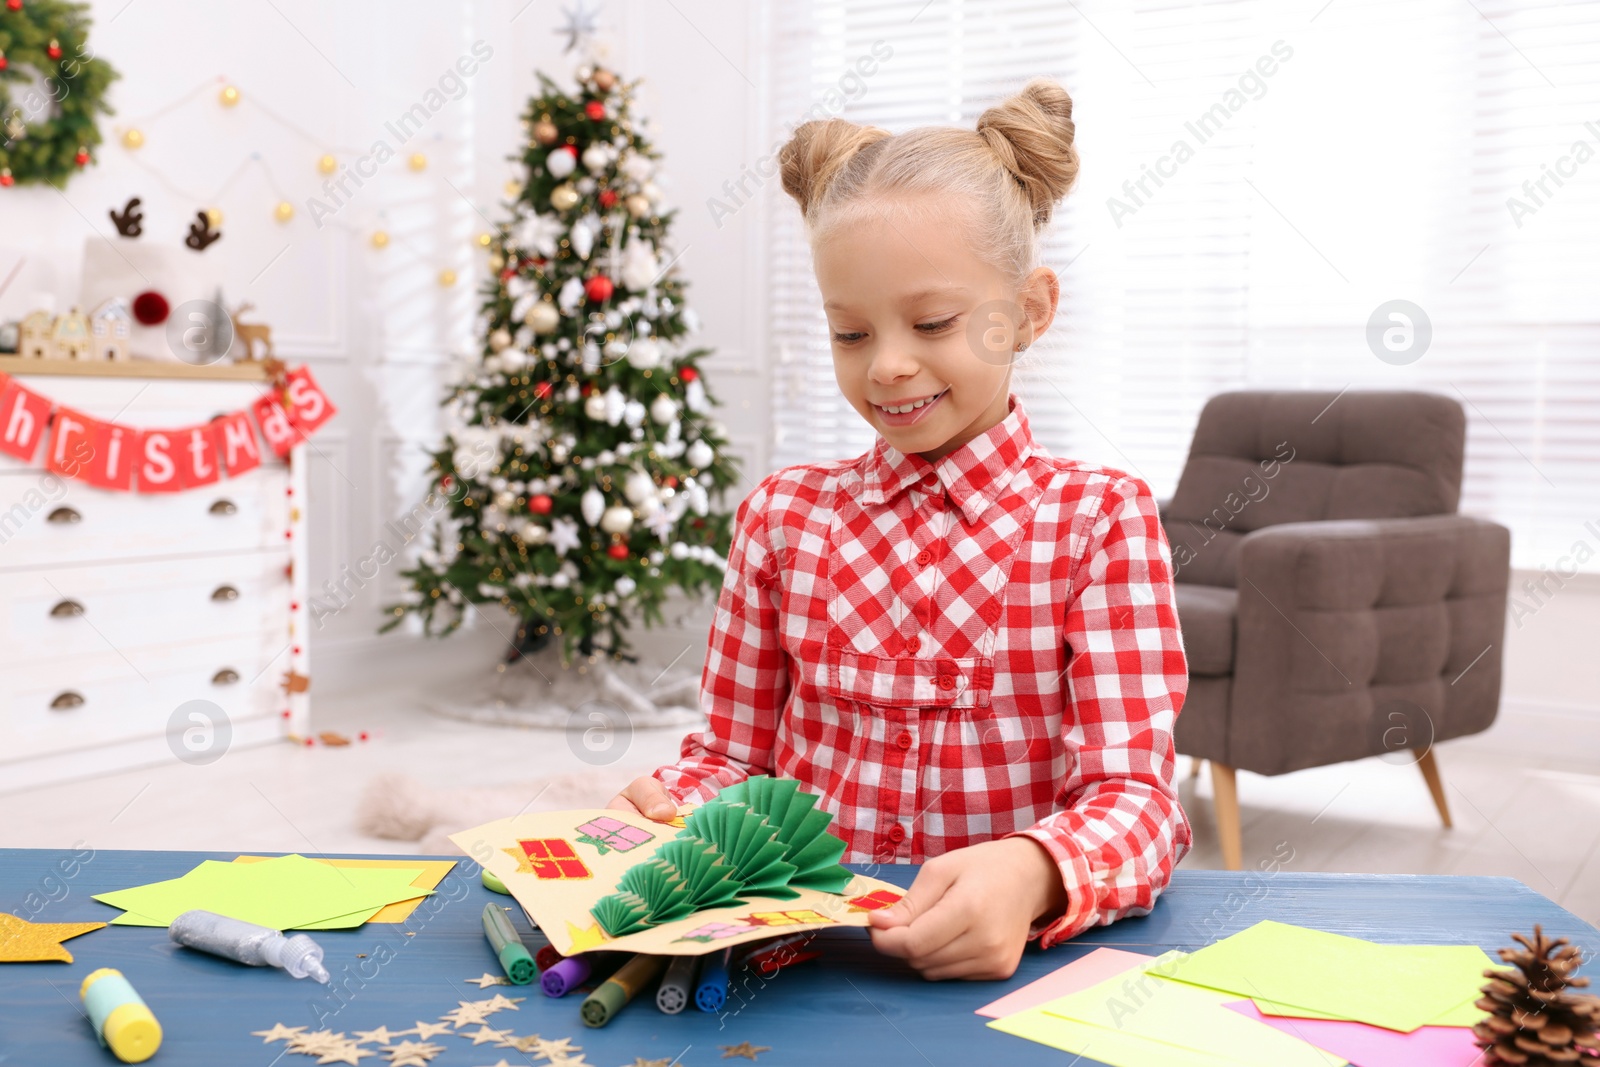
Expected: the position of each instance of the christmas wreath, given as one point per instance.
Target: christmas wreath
(51, 86)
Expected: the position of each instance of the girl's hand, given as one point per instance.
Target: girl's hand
(968, 912)
(647, 797)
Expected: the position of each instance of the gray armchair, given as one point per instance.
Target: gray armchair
(1333, 604)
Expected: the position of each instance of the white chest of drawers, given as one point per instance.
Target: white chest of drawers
(141, 628)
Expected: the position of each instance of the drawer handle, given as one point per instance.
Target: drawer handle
(67, 609)
(64, 516)
(225, 592)
(223, 506)
(66, 701)
(226, 676)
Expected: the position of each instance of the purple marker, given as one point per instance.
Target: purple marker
(565, 976)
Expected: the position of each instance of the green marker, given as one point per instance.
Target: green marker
(615, 992)
(513, 954)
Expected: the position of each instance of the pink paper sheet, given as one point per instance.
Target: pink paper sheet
(1373, 1046)
(1078, 975)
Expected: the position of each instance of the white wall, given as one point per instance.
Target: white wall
(377, 329)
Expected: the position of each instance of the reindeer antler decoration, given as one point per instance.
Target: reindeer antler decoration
(128, 222)
(201, 235)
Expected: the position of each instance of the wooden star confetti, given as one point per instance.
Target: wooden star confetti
(554, 1049)
(427, 1030)
(316, 1043)
(382, 1035)
(485, 1034)
(501, 1003)
(502, 1063)
(412, 1053)
(24, 942)
(743, 1048)
(346, 1052)
(468, 1013)
(521, 1044)
(279, 1032)
(489, 980)
(641, 1062)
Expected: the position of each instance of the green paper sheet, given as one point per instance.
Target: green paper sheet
(1399, 987)
(288, 892)
(1137, 1019)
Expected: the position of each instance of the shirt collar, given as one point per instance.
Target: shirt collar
(974, 474)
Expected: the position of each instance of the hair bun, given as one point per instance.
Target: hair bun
(1032, 134)
(817, 151)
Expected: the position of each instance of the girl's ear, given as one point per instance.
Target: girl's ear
(1039, 295)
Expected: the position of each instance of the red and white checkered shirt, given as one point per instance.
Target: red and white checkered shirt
(954, 652)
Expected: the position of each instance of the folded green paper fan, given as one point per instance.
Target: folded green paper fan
(762, 837)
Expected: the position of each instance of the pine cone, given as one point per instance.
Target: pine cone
(1533, 1021)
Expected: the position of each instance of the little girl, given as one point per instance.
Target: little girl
(966, 646)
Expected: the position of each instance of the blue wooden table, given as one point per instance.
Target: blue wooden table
(852, 1006)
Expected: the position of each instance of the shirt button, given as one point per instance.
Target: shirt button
(924, 558)
(913, 643)
(904, 740)
(946, 681)
(897, 833)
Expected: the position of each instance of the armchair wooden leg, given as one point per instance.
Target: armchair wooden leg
(1430, 772)
(1195, 763)
(1226, 804)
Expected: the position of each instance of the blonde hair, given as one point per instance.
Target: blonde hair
(1009, 172)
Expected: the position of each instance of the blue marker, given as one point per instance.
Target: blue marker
(711, 985)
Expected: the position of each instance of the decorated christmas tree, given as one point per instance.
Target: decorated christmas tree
(577, 480)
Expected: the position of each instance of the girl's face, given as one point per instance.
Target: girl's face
(915, 315)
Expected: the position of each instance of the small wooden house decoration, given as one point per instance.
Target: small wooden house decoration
(110, 325)
(34, 342)
(71, 336)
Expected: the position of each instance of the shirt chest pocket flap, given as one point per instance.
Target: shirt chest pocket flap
(906, 682)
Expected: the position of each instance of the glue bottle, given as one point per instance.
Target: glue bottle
(259, 946)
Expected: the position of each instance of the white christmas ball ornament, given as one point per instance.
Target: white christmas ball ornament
(664, 409)
(700, 455)
(595, 406)
(596, 157)
(633, 414)
(532, 533)
(543, 317)
(625, 586)
(617, 519)
(561, 162)
(582, 239)
(593, 505)
(499, 339)
(645, 353)
(639, 487)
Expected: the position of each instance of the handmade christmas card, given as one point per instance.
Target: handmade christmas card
(753, 862)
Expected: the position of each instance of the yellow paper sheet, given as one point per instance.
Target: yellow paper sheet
(1107, 1046)
(557, 878)
(1400, 987)
(1184, 1017)
(432, 873)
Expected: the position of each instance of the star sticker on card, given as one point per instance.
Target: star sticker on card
(502, 1063)
(484, 1034)
(584, 939)
(279, 1032)
(24, 942)
(743, 1048)
(488, 980)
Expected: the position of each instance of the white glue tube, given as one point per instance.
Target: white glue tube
(258, 946)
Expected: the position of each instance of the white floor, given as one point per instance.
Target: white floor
(1533, 818)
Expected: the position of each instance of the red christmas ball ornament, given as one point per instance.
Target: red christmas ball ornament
(14, 5)
(595, 110)
(542, 390)
(509, 273)
(586, 389)
(446, 482)
(82, 158)
(4, 62)
(688, 374)
(53, 49)
(150, 308)
(599, 288)
(6, 179)
(608, 198)
(672, 481)
(540, 504)
(699, 524)
(617, 551)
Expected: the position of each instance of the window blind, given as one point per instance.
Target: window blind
(1258, 181)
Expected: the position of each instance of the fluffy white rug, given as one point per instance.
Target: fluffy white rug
(399, 807)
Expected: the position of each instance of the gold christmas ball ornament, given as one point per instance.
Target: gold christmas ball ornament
(133, 138)
(543, 317)
(327, 164)
(604, 80)
(229, 95)
(380, 239)
(638, 206)
(418, 161)
(214, 215)
(284, 211)
(496, 261)
(563, 197)
(447, 277)
(545, 132)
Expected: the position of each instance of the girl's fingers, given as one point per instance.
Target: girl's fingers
(649, 798)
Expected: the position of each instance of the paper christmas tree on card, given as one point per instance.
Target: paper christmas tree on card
(758, 850)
